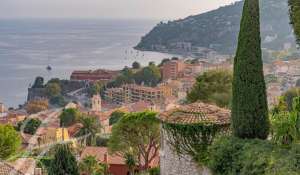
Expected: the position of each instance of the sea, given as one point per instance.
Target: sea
(29, 46)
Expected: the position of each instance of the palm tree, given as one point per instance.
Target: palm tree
(90, 166)
(130, 162)
(90, 127)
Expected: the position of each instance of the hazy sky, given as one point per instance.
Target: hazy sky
(157, 9)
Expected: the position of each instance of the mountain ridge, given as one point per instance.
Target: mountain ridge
(218, 29)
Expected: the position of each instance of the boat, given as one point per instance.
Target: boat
(49, 68)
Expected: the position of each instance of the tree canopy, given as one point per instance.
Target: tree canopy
(90, 127)
(115, 117)
(295, 17)
(136, 65)
(213, 87)
(29, 126)
(137, 134)
(249, 105)
(64, 162)
(10, 141)
(68, 117)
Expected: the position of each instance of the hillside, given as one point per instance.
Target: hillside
(218, 29)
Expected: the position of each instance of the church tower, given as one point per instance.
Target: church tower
(96, 103)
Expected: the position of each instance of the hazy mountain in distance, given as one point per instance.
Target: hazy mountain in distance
(218, 29)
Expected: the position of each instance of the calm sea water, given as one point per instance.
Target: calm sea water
(27, 47)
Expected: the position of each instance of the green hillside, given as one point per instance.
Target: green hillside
(218, 29)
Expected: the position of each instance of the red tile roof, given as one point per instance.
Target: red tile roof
(100, 153)
(6, 169)
(197, 113)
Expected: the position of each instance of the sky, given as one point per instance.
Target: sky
(116, 9)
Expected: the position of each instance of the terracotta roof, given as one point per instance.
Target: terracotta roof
(6, 169)
(197, 113)
(100, 152)
(25, 165)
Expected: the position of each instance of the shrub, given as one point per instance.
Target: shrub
(154, 171)
(230, 156)
(30, 126)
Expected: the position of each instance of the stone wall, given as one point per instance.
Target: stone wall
(173, 164)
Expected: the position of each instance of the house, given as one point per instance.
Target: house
(172, 162)
(116, 163)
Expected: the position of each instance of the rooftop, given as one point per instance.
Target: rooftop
(6, 169)
(197, 113)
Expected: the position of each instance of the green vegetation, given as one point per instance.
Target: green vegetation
(218, 29)
(64, 162)
(101, 141)
(149, 76)
(95, 89)
(115, 117)
(130, 162)
(10, 141)
(137, 134)
(234, 156)
(29, 126)
(89, 165)
(35, 106)
(136, 65)
(213, 87)
(54, 93)
(185, 138)
(289, 96)
(249, 104)
(295, 17)
(90, 127)
(285, 124)
(68, 117)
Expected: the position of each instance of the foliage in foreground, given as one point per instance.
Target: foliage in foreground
(234, 156)
(10, 141)
(137, 134)
(286, 124)
(89, 165)
(249, 101)
(64, 162)
(213, 87)
(295, 17)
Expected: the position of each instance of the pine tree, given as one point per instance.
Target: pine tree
(249, 105)
(64, 162)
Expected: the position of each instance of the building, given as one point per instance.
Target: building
(96, 103)
(172, 162)
(116, 163)
(2, 108)
(97, 75)
(132, 93)
(173, 69)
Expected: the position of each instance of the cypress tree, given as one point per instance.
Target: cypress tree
(64, 162)
(249, 103)
(295, 17)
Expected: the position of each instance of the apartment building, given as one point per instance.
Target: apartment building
(132, 93)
